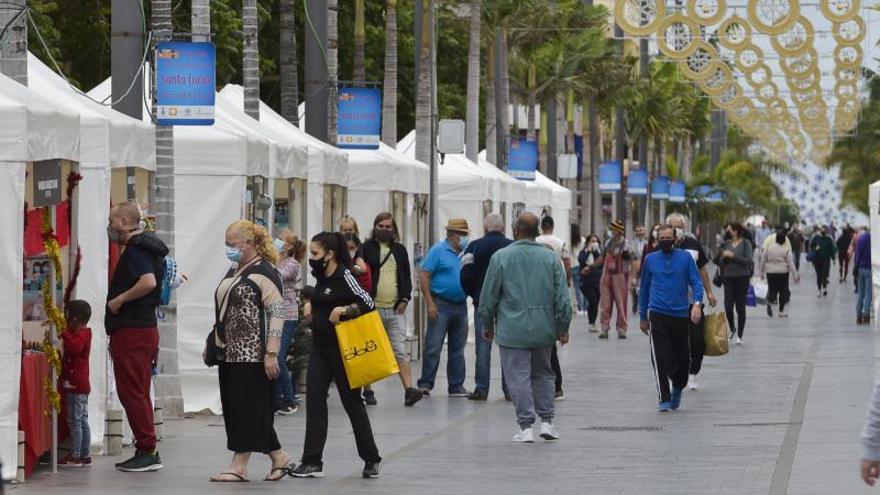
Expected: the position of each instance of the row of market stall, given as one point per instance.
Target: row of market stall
(267, 170)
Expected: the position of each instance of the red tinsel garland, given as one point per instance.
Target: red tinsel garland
(73, 179)
(71, 285)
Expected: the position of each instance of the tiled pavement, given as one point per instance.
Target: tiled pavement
(780, 414)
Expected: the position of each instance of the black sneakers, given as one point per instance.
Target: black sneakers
(370, 398)
(371, 470)
(411, 396)
(308, 471)
(478, 395)
(141, 463)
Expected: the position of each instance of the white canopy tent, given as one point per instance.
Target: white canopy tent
(513, 191)
(215, 159)
(560, 203)
(33, 129)
(109, 139)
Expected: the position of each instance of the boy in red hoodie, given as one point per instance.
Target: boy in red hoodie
(74, 381)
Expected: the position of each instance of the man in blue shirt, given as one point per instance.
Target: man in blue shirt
(666, 276)
(447, 309)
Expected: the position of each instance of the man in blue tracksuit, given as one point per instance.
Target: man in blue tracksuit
(666, 275)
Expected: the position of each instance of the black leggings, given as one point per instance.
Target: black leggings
(557, 370)
(592, 295)
(777, 285)
(735, 290)
(822, 266)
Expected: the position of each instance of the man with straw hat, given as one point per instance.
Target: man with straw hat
(447, 309)
(615, 281)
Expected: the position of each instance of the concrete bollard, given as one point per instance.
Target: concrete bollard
(158, 422)
(113, 432)
(19, 474)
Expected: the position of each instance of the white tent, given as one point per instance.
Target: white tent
(206, 158)
(513, 191)
(108, 139)
(560, 203)
(33, 129)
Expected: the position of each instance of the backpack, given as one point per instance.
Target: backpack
(168, 278)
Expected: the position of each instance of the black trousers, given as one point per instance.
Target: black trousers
(248, 409)
(735, 291)
(777, 288)
(325, 363)
(554, 363)
(670, 352)
(697, 343)
(797, 260)
(592, 295)
(822, 266)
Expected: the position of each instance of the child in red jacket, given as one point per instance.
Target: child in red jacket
(74, 381)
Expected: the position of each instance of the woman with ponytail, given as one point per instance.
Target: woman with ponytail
(250, 319)
(337, 296)
(292, 251)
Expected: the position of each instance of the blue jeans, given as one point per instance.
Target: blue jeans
(78, 421)
(863, 300)
(284, 393)
(483, 351)
(576, 283)
(452, 321)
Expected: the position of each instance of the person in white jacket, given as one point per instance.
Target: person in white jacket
(777, 266)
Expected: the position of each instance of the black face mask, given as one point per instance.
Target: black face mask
(667, 245)
(319, 267)
(383, 236)
(728, 236)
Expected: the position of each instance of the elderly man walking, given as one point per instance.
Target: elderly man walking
(524, 304)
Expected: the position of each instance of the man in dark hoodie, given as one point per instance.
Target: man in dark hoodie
(130, 320)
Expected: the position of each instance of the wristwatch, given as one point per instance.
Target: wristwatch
(272, 354)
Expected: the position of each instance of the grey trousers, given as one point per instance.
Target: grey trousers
(531, 382)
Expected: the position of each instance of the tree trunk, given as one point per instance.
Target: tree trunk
(13, 46)
(531, 132)
(491, 145)
(332, 68)
(251, 62)
(389, 89)
(360, 72)
(504, 120)
(288, 70)
(472, 131)
(423, 98)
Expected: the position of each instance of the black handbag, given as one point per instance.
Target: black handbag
(717, 280)
(212, 350)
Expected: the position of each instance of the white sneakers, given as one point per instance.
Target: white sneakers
(739, 340)
(692, 382)
(524, 436)
(548, 432)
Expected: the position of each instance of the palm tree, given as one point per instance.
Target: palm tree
(332, 68)
(472, 134)
(389, 91)
(491, 136)
(288, 60)
(251, 59)
(360, 72)
(424, 100)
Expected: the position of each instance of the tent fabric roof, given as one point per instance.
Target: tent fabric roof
(33, 128)
(458, 178)
(537, 194)
(108, 138)
(561, 198)
(326, 164)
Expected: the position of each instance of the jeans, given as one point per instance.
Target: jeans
(578, 295)
(452, 321)
(797, 260)
(483, 351)
(530, 379)
(283, 390)
(78, 421)
(863, 301)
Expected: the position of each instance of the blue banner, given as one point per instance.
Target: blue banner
(716, 197)
(660, 187)
(522, 159)
(702, 192)
(185, 83)
(359, 124)
(610, 176)
(579, 151)
(637, 182)
(677, 191)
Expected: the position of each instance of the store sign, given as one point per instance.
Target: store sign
(185, 83)
(522, 159)
(637, 182)
(702, 192)
(610, 176)
(359, 121)
(47, 183)
(677, 192)
(660, 188)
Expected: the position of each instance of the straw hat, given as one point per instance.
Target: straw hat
(458, 225)
(618, 226)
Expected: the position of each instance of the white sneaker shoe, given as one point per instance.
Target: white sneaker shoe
(524, 436)
(739, 340)
(692, 382)
(548, 432)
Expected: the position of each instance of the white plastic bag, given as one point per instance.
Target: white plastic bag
(760, 289)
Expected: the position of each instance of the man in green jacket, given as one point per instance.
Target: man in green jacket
(524, 304)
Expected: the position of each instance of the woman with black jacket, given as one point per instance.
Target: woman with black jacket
(336, 297)
(590, 261)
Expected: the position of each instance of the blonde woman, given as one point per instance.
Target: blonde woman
(249, 306)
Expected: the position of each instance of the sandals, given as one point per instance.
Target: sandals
(284, 470)
(238, 478)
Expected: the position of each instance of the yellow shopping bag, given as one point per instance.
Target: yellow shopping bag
(366, 350)
(715, 333)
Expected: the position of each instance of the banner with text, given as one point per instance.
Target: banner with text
(522, 159)
(660, 188)
(610, 174)
(185, 83)
(359, 124)
(677, 191)
(637, 182)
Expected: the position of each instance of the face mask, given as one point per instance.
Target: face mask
(351, 253)
(728, 236)
(667, 245)
(113, 234)
(679, 233)
(319, 267)
(594, 246)
(279, 245)
(464, 241)
(233, 254)
(384, 236)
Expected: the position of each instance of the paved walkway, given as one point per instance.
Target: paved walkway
(779, 415)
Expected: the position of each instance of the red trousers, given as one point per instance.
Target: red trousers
(133, 351)
(614, 290)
